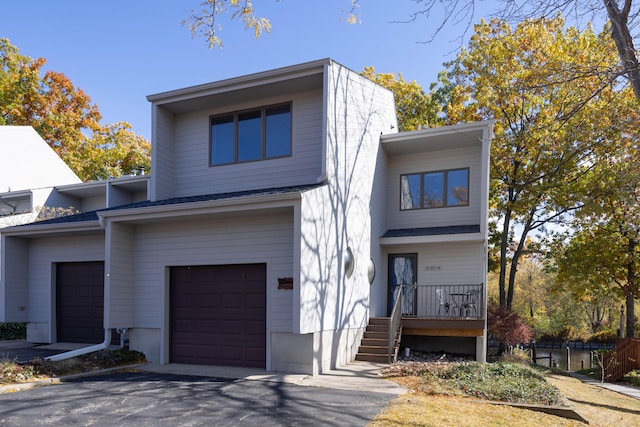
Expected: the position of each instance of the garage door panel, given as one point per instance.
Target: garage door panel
(80, 302)
(226, 311)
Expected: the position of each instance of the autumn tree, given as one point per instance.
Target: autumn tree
(622, 15)
(415, 109)
(555, 110)
(65, 118)
(602, 256)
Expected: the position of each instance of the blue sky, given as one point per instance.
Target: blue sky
(119, 51)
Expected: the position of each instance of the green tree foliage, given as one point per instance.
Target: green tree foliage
(556, 109)
(603, 255)
(415, 109)
(65, 118)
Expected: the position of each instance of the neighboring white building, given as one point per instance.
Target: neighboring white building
(29, 169)
(284, 210)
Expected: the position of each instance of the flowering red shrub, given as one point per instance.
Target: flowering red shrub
(507, 326)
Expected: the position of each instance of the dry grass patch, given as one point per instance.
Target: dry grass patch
(600, 406)
(440, 400)
(441, 411)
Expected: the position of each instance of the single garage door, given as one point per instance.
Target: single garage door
(80, 302)
(218, 315)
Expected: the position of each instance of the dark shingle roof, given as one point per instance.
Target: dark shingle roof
(93, 215)
(432, 231)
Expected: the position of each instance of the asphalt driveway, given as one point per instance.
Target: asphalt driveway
(153, 399)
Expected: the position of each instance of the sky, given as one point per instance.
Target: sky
(120, 51)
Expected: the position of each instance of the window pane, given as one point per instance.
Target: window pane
(278, 131)
(250, 136)
(222, 145)
(410, 191)
(458, 187)
(434, 190)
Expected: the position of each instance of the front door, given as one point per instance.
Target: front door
(403, 278)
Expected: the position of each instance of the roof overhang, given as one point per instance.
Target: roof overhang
(456, 233)
(297, 78)
(35, 229)
(209, 207)
(436, 139)
(133, 183)
(443, 238)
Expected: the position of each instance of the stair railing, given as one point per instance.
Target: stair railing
(395, 322)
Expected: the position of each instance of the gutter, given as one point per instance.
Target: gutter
(84, 350)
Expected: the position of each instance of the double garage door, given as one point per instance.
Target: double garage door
(218, 315)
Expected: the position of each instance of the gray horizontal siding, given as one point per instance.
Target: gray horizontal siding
(447, 263)
(266, 237)
(162, 180)
(193, 175)
(119, 289)
(42, 254)
(435, 161)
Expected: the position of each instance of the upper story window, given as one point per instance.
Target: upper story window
(246, 136)
(437, 189)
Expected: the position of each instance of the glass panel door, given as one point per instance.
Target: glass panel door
(403, 278)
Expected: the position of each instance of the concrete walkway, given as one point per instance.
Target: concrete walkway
(361, 376)
(625, 389)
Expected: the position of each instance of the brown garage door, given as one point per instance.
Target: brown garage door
(80, 302)
(218, 315)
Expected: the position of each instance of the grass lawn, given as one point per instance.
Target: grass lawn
(438, 403)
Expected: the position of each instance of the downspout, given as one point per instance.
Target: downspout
(84, 350)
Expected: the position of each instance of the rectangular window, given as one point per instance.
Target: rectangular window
(410, 189)
(222, 140)
(246, 136)
(437, 189)
(249, 136)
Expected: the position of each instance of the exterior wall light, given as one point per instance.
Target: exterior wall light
(371, 271)
(349, 262)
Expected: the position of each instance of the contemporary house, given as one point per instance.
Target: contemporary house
(285, 216)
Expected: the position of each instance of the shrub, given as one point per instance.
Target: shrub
(605, 336)
(12, 372)
(507, 326)
(509, 382)
(13, 331)
(632, 378)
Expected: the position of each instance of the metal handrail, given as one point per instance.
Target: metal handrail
(454, 301)
(394, 323)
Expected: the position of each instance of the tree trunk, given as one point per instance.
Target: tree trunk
(624, 42)
(631, 289)
(504, 243)
(630, 327)
(516, 259)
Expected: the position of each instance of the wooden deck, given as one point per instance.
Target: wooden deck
(442, 327)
